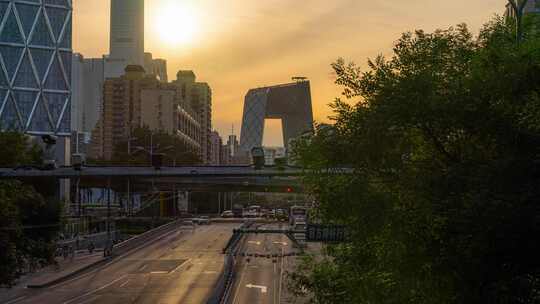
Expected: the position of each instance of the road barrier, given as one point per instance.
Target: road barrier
(141, 239)
(223, 287)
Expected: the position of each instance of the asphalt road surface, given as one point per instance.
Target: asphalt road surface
(260, 280)
(179, 268)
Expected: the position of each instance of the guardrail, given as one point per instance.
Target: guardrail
(134, 242)
(225, 283)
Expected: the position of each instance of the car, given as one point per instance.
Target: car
(203, 220)
(188, 223)
(227, 214)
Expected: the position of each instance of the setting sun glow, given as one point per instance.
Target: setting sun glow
(176, 23)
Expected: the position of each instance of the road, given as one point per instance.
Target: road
(261, 279)
(179, 268)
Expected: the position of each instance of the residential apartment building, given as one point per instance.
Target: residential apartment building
(138, 99)
(197, 96)
(217, 143)
(160, 110)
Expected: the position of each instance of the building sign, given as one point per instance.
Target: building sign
(325, 233)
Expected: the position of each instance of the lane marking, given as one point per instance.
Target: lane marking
(16, 300)
(90, 300)
(239, 283)
(125, 283)
(254, 242)
(159, 272)
(143, 267)
(210, 272)
(94, 291)
(178, 267)
(281, 273)
(281, 243)
(263, 289)
(274, 289)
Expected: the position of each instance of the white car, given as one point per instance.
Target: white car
(203, 220)
(227, 214)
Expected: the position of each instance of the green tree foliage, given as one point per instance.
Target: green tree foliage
(16, 150)
(174, 150)
(444, 142)
(28, 223)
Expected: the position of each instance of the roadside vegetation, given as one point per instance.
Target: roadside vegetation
(29, 223)
(443, 138)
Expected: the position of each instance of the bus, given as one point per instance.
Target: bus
(298, 215)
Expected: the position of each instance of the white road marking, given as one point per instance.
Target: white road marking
(95, 290)
(254, 242)
(281, 243)
(159, 272)
(281, 274)
(263, 289)
(125, 283)
(239, 284)
(143, 267)
(210, 272)
(90, 300)
(178, 267)
(16, 300)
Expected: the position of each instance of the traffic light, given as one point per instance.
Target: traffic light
(289, 190)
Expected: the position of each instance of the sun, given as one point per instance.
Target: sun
(176, 24)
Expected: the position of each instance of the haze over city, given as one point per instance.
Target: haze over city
(242, 44)
(269, 151)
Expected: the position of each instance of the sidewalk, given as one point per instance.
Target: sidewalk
(51, 275)
(54, 274)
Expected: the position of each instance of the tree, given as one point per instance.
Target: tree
(28, 223)
(16, 149)
(444, 143)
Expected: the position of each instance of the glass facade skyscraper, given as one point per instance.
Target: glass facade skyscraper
(35, 66)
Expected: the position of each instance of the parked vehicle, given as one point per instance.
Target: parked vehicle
(204, 220)
(227, 214)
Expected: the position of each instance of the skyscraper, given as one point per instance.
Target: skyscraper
(35, 66)
(289, 102)
(127, 31)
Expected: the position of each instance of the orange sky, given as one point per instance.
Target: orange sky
(241, 44)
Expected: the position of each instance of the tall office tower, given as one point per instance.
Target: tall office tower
(127, 31)
(289, 102)
(35, 66)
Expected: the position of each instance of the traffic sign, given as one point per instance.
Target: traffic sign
(325, 233)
